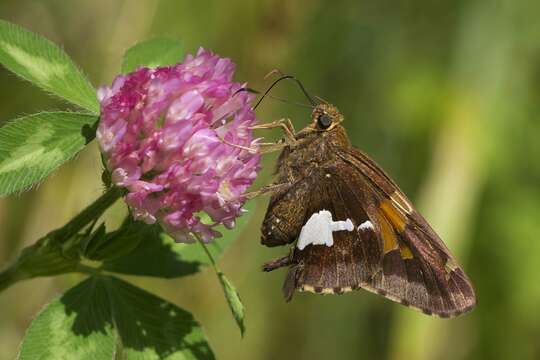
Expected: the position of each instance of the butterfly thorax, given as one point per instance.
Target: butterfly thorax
(314, 149)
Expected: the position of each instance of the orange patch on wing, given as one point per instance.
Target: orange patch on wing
(388, 235)
(396, 218)
(405, 251)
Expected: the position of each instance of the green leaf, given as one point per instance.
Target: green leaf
(152, 328)
(90, 239)
(107, 318)
(233, 299)
(101, 246)
(152, 53)
(43, 63)
(159, 255)
(232, 296)
(47, 257)
(33, 146)
(75, 326)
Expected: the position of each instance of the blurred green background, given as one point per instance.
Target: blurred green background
(445, 95)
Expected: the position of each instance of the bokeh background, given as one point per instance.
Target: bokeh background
(445, 95)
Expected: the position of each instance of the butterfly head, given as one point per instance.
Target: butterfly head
(325, 117)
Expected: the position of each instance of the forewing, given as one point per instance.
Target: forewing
(416, 233)
(391, 196)
(399, 256)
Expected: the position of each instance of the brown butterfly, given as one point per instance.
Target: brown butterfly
(353, 227)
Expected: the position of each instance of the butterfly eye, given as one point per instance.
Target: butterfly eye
(324, 121)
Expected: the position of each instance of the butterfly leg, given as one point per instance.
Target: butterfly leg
(285, 124)
(272, 188)
(276, 263)
(266, 148)
(291, 279)
(262, 148)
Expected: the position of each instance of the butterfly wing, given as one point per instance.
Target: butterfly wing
(392, 251)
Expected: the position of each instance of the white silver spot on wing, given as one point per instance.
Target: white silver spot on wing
(318, 229)
(366, 225)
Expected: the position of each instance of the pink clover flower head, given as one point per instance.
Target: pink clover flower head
(166, 134)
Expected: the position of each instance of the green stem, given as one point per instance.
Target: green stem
(7, 278)
(231, 295)
(47, 256)
(90, 270)
(88, 215)
(210, 257)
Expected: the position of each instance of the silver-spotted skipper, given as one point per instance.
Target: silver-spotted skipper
(353, 227)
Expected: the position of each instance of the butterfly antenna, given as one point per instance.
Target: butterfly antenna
(321, 99)
(249, 90)
(282, 74)
(290, 102)
(281, 79)
(253, 91)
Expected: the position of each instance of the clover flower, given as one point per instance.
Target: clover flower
(166, 134)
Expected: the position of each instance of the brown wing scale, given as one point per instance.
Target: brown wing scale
(394, 259)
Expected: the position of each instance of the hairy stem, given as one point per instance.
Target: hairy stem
(7, 278)
(88, 215)
(210, 257)
(51, 254)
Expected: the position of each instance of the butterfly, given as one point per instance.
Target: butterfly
(353, 228)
